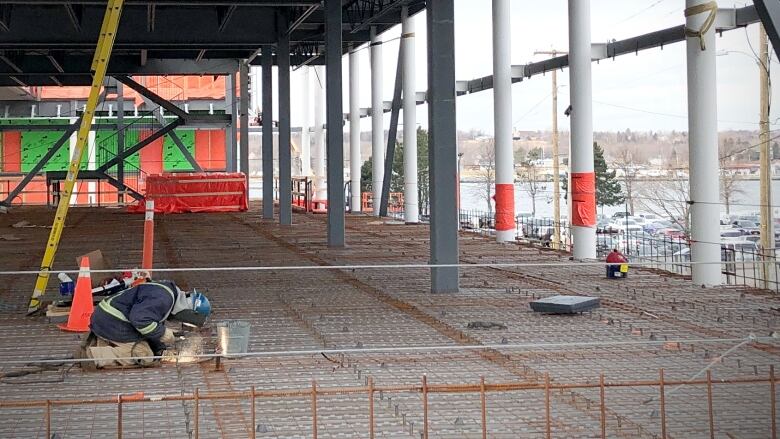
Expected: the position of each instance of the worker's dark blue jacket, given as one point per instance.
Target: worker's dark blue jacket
(135, 314)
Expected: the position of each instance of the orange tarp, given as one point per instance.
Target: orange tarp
(178, 88)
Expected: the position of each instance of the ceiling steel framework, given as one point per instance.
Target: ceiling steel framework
(49, 42)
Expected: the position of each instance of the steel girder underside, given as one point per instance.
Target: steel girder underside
(49, 42)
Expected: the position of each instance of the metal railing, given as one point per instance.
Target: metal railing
(669, 253)
(425, 389)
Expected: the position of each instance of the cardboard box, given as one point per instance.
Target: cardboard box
(96, 262)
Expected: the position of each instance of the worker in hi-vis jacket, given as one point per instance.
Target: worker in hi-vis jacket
(129, 327)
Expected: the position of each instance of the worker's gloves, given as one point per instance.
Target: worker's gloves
(169, 338)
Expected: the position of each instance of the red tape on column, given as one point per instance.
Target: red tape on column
(505, 207)
(583, 197)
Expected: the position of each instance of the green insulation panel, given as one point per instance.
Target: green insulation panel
(173, 158)
(35, 144)
(106, 148)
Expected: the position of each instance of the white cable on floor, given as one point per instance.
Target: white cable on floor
(426, 349)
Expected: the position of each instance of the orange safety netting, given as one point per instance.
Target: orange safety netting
(583, 196)
(505, 207)
(177, 88)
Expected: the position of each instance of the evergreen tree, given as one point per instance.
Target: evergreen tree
(397, 181)
(608, 190)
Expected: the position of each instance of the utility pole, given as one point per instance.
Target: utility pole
(767, 220)
(555, 152)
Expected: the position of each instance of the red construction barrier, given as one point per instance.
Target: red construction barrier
(195, 192)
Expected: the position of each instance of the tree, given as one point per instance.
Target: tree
(626, 164)
(486, 176)
(729, 183)
(423, 177)
(397, 180)
(608, 190)
(668, 199)
(532, 184)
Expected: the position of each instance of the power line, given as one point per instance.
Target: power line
(642, 11)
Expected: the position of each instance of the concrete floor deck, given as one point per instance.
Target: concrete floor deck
(319, 309)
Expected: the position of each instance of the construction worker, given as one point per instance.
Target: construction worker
(615, 271)
(131, 323)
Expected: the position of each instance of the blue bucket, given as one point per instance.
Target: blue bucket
(67, 288)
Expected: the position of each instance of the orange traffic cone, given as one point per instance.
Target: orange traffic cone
(81, 309)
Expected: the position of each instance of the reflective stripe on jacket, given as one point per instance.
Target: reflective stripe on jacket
(136, 313)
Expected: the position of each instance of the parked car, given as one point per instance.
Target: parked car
(617, 215)
(623, 225)
(656, 226)
(602, 226)
(748, 227)
(650, 217)
(732, 235)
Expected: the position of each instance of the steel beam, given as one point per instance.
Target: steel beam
(392, 134)
(285, 159)
(377, 122)
(243, 148)
(335, 119)
(268, 134)
(769, 13)
(231, 109)
(152, 96)
(140, 145)
(411, 189)
(703, 148)
(42, 162)
(174, 137)
(120, 139)
(355, 162)
(442, 145)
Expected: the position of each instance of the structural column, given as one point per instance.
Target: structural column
(335, 119)
(583, 179)
(120, 138)
(377, 122)
(411, 208)
(320, 189)
(355, 163)
(442, 145)
(267, 61)
(502, 115)
(703, 144)
(243, 149)
(305, 140)
(231, 109)
(285, 162)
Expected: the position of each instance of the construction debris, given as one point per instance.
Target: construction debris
(485, 325)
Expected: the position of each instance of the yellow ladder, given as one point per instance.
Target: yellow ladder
(99, 66)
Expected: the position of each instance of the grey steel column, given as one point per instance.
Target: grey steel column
(230, 135)
(334, 120)
(268, 133)
(442, 144)
(120, 138)
(285, 160)
(243, 155)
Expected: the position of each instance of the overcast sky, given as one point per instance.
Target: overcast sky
(644, 92)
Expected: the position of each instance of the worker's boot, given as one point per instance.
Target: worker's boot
(81, 353)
